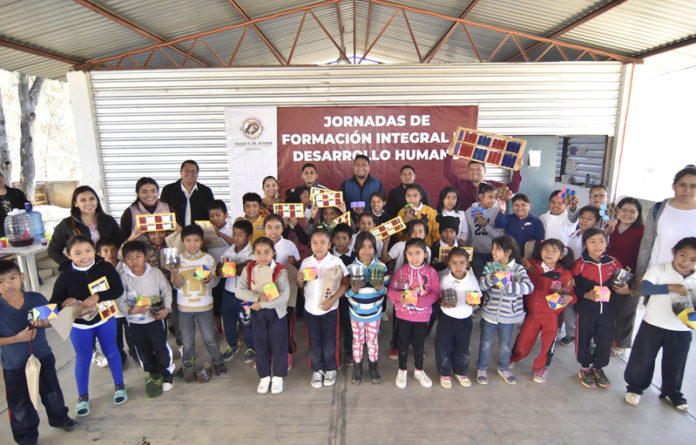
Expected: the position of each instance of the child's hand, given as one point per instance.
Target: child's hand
(179, 228)
(502, 206)
(300, 279)
(679, 289)
(328, 303)
(135, 233)
(592, 295)
(314, 210)
(342, 208)
(26, 335)
(378, 286)
(409, 215)
(527, 265)
(207, 279)
(480, 220)
(566, 299)
(70, 302)
(255, 306)
(355, 288)
(358, 210)
(263, 297)
(174, 270)
(138, 310)
(622, 290)
(90, 301)
(162, 314)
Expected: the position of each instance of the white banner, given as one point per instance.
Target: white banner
(252, 141)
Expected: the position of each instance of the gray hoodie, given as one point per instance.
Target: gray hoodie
(150, 284)
(481, 238)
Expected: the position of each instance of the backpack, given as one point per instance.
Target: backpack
(279, 268)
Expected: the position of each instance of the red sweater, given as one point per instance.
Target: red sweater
(624, 246)
(535, 302)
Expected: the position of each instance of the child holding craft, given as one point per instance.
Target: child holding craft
(521, 225)
(87, 281)
(502, 306)
(449, 226)
(378, 203)
(341, 237)
(217, 213)
(550, 274)
(264, 283)
(481, 220)
(366, 222)
(559, 222)
(413, 290)
(322, 278)
(415, 209)
(448, 205)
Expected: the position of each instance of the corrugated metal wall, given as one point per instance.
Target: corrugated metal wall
(149, 121)
(584, 159)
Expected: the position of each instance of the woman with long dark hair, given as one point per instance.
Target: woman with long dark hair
(146, 203)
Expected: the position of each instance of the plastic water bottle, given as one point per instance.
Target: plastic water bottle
(36, 221)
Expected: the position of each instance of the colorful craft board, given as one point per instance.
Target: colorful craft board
(271, 291)
(554, 301)
(688, 317)
(325, 197)
(566, 194)
(501, 278)
(490, 148)
(604, 293)
(202, 272)
(156, 222)
(345, 218)
(410, 298)
(389, 228)
(444, 253)
(203, 223)
(289, 210)
(143, 300)
(44, 313)
(608, 211)
(473, 297)
(98, 285)
(229, 269)
(107, 309)
(470, 251)
(310, 273)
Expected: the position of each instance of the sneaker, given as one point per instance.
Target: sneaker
(508, 376)
(423, 378)
(289, 362)
(401, 378)
(587, 378)
(69, 425)
(330, 378)
(482, 377)
(679, 403)
(167, 386)
(98, 359)
(249, 355)
(632, 398)
(204, 373)
(220, 369)
(229, 353)
(276, 385)
(317, 378)
(601, 378)
(540, 375)
(567, 340)
(264, 383)
(446, 382)
(393, 354)
(463, 380)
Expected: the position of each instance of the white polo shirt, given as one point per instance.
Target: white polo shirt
(461, 287)
(284, 249)
(313, 289)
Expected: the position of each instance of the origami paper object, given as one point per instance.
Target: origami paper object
(473, 297)
(310, 273)
(604, 293)
(688, 317)
(554, 301)
(501, 278)
(43, 313)
(229, 269)
(271, 291)
(202, 272)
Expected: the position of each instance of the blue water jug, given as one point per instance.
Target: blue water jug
(36, 221)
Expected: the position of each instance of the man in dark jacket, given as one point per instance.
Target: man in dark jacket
(187, 197)
(10, 198)
(396, 199)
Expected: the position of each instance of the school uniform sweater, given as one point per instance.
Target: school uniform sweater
(545, 283)
(589, 273)
(73, 282)
(424, 281)
(194, 295)
(505, 304)
(151, 283)
(366, 305)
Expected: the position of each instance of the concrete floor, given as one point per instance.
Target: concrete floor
(227, 409)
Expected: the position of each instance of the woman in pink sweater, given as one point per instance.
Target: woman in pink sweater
(413, 291)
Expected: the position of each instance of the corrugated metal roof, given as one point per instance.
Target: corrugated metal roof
(66, 28)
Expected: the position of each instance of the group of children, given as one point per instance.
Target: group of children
(344, 280)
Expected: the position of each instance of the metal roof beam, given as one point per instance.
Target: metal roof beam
(89, 4)
(441, 42)
(572, 25)
(690, 40)
(261, 35)
(39, 52)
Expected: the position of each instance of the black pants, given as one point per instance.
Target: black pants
(411, 333)
(151, 346)
(217, 298)
(24, 420)
(344, 314)
(601, 327)
(322, 333)
(173, 319)
(270, 341)
(641, 363)
(123, 331)
(452, 345)
(625, 319)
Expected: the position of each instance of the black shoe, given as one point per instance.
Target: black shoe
(220, 369)
(348, 358)
(567, 340)
(357, 373)
(374, 373)
(70, 425)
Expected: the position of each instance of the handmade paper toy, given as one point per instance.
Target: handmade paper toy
(478, 211)
(271, 291)
(4, 242)
(501, 278)
(688, 317)
(554, 301)
(608, 211)
(107, 309)
(473, 297)
(566, 195)
(229, 269)
(355, 204)
(444, 253)
(470, 251)
(376, 274)
(504, 193)
(490, 148)
(202, 272)
(203, 223)
(156, 222)
(326, 197)
(98, 285)
(310, 273)
(604, 293)
(410, 298)
(44, 313)
(289, 210)
(491, 267)
(389, 228)
(143, 300)
(345, 218)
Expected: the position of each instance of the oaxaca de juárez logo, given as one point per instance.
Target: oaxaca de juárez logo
(252, 128)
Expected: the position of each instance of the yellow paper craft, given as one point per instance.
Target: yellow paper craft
(554, 301)
(98, 285)
(143, 301)
(345, 218)
(688, 317)
(229, 269)
(444, 253)
(201, 272)
(203, 223)
(473, 297)
(156, 222)
(289, 210)
(604, 293)
(310, 273)
(271, 291)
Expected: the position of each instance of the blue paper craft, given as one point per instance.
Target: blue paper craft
(44, 313)
(480, 210)
(357, 204)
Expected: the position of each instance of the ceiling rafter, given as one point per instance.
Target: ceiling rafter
(441, 41)
(89, 4)
(39, 52)
(690, 40)
(260, 33)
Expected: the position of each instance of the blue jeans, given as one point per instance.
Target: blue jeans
(232, 311)
(206, 326)
(83, 341)
(504, 347)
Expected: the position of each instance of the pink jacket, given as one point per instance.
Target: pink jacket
(427, 284)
